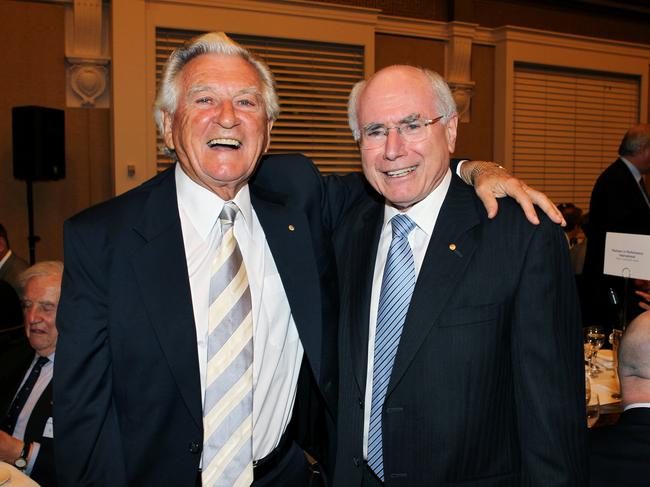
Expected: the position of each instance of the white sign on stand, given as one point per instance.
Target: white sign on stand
(627, 255)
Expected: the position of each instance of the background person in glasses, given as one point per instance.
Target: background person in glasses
(460, 354)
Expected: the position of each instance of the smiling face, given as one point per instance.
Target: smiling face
(40, 302)
(404, 172)
(220, 128)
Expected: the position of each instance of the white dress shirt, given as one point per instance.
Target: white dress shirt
(277, 350)
(42, 382)
(424, 214)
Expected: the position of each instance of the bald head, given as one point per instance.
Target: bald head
(634, 361)
(635, 147)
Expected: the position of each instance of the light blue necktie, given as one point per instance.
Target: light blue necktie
(396, 291)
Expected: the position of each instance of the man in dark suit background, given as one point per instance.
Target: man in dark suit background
(132, 368)
(619, 203)
(11, 265)
(463, 363)
(620, 452)
(26, 430)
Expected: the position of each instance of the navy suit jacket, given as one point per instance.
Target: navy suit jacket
(620, 454)
(15, 364)
(487, 388)
(127, 388)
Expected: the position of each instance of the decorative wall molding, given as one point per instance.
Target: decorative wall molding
(459, 64)
(87, 54)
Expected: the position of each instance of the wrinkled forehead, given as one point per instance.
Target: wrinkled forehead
(43, 288)
(220, 72)
(393, 95)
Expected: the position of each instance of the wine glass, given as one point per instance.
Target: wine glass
(593, 410)
(594, 338)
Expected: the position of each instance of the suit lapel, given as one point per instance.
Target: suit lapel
(289, 237)
(363, 249)
(441, 269)
(160, 267)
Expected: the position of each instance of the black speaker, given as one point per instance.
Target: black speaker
(39, 143)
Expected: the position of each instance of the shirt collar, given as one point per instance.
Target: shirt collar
(633, 169)
(637, 405)
(202, 206)
(424, 213)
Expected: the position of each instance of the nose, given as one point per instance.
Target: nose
(226, 115)
(394, 147)
(31, 315)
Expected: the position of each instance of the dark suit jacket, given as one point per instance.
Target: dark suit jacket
(620, 454)
(15, 364)
(617, 205)
(487, 387)
(11, 269)
(127, 388)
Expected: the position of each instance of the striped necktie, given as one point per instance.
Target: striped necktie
(228, 407)
(395, 296)
(9, 422)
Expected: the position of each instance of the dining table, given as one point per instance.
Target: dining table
(606, 389)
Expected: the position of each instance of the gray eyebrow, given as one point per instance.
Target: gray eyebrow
(408, 119)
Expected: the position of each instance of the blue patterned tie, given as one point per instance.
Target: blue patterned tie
(396, 290)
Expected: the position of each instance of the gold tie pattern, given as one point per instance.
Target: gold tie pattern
(228, 406)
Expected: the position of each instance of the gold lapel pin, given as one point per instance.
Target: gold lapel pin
(454, 249)
(291, 228)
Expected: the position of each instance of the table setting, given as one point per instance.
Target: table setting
(603, 391)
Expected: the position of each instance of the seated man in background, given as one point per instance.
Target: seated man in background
(622, 451)
(26, 428)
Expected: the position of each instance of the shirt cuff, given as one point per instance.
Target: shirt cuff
(33, 453)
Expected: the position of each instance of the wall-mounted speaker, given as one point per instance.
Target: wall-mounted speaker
(39, 143)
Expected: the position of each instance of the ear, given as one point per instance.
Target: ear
(167, 130)
(451, 132)
(269, 126)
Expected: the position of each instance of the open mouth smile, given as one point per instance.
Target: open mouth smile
(400, 172)
(227, 143)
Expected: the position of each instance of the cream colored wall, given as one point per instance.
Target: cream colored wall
(134, 24)
(34, 74)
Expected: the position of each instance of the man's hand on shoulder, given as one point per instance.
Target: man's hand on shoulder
(492, 181)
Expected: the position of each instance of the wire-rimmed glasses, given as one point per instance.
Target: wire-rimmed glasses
(375, 135)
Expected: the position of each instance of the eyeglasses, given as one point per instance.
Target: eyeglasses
(375, 135)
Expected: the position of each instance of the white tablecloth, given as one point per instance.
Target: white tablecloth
(10, 476)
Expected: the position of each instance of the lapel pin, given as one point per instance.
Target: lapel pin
(453, 248)
(291, 228)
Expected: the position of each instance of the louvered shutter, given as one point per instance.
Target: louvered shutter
(313, 82)
(567, 127)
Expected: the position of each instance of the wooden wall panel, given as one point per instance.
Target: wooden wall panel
(34, 71)
(475, 139)
(394, 49)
